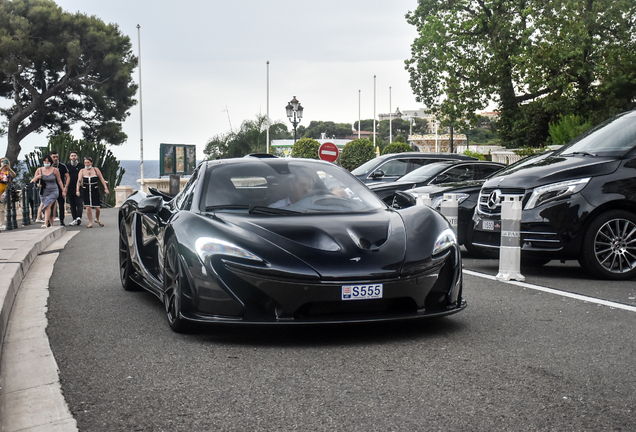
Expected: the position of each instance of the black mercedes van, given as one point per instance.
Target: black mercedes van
(578, 203)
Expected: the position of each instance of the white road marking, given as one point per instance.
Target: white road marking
(557, 292)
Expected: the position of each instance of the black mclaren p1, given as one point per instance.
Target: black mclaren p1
(281, 241)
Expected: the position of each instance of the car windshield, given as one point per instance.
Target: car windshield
(424, 173)
(366, 167)
(614, 137)
(285, 187)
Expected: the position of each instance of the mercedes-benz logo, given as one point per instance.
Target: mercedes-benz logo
(494, 199)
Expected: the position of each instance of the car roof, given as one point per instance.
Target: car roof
(425, 155)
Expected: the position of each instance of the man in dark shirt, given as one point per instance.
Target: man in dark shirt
(65, 179)
(76, 203)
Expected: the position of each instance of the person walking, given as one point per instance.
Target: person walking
(87, 180)
(49, 190)
(65, 179)
(76, 203)
(6, 175)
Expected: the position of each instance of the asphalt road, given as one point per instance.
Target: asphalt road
(515, 359)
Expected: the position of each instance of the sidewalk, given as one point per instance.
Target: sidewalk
(30, 393)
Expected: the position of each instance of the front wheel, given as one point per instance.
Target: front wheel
(173, 279)
(609, 246)
(126, 269)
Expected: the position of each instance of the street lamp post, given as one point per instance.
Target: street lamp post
(294, 113)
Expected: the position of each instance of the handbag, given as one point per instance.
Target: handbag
(40, 183)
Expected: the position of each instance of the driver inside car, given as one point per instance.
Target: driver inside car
(301, 184)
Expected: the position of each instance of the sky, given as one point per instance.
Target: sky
(204, 64)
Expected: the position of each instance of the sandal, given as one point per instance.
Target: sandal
(100, 224)
(44, 226)
(89, 226)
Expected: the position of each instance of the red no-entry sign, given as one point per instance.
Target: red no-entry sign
(328, 152)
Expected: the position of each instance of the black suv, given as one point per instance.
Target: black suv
(578, 202)
(391, 167)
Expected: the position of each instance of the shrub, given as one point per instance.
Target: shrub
(306, 148)
(396, 147)
(528, 151)
(567, 128)
(357, 152)
(475, 155)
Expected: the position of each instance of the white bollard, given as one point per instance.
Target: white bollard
(450, 209)
(510, 249)
(423, 199)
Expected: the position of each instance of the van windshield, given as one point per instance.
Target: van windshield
(614, 137)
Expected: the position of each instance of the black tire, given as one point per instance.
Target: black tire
(173, 279)
(126, 269)
(609, 246)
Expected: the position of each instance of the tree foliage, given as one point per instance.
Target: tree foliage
(357, 152)
(251, 137)
(59, 69)
(329, 128)
(537, 59)
(305, 148)
(102, 157)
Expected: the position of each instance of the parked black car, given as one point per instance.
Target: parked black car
(286, 241)
(467, 195)
(390, 167)
(436, 173)
(578, 203)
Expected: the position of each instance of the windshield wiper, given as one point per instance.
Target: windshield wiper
(227, 207)
(252, 209)
(271, 210)
(581, 153)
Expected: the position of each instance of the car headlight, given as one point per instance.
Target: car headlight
(436, 203)
(207, 247)
(547, 193)
(445, 240)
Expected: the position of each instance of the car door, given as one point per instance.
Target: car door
(389, 171)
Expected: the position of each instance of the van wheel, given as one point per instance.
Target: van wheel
(609, 246)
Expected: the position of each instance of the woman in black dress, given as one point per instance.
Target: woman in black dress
(87, 182)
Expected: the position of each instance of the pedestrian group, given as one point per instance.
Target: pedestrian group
(54, 179)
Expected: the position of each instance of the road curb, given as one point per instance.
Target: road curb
(17, 266)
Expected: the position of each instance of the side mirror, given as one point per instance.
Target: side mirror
(151, 204)
(377, 174)
(403, 199)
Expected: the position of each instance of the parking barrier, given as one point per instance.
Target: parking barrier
(423, 199)
(510, 249)
(450, 209)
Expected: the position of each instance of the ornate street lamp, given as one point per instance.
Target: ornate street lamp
(294, 113)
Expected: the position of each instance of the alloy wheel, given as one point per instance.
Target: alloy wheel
(615, 246)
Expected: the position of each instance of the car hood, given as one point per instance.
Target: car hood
(391, 185)
(554, 169)
(465, 186)
(345, 246)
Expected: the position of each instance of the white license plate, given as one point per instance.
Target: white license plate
(361, 292)
(488, 225)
